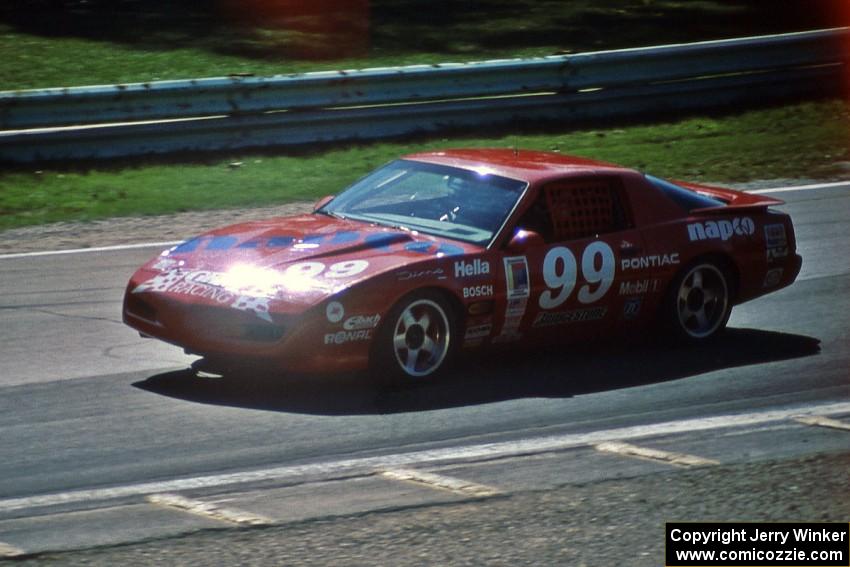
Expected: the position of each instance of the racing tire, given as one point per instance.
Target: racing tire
(416, 342)
(699, 302)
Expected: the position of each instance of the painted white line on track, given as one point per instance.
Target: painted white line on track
(7, 551)
(449, 483)
(88, 250)
(811, 187)
(821, 421)
(208, 510)
(367, 465)
(668, 457)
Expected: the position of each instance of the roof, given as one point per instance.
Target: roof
(525, 165)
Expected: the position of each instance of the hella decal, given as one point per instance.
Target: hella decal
(477, 267)
(654, 261)
(722, 229)
(478, 291)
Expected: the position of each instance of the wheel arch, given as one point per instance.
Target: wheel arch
(722, 258)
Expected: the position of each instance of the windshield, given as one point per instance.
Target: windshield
(433, 199)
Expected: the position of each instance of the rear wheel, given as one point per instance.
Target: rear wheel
(416, 341)
(699, 302)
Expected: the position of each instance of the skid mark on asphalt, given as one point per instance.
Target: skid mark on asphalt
(669, 457)
(209, 510)
(438, 481)
(822, 421)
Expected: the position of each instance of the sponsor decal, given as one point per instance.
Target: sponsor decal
(405, 275)
(776, 242)
(560, 273)
(654, 261)
(478, 331)
(774, 235)
(304, 271)
(776, 253)
(164, 264)
(334, 312)
(477, 267)
(639, 287)
(343, 337)
(516, 274)
(631, 308)
(721, 229)
(518, 291)
(358, 322)
(478, 291)
(773, 277)
(208, 285)
(549, 318)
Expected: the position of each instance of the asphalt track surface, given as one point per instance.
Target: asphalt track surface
(87, 405)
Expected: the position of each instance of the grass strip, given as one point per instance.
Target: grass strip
(808, 140)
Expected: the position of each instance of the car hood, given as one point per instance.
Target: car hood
(294, 262)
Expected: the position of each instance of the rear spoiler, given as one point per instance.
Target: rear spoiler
(736, 201)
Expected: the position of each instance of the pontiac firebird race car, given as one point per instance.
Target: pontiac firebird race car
(441, 252)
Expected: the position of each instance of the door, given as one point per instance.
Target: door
(579, 283)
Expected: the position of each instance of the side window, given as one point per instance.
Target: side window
(586, 207)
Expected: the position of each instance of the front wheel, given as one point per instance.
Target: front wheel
(699, 302)
(416, 341)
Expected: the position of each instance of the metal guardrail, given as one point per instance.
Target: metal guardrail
(240, 112)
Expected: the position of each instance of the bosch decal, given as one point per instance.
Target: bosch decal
(722, 229)
(478, 291)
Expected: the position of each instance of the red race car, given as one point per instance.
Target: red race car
(449, 251)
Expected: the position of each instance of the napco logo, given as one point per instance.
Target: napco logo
(477, 267)
(722, 229)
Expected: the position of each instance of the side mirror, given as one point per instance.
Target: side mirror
(322, 202)
(522, 240)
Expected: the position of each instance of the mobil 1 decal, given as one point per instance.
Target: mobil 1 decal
(560, 274)
(516, 296)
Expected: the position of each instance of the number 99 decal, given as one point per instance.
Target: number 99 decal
(560, 274)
